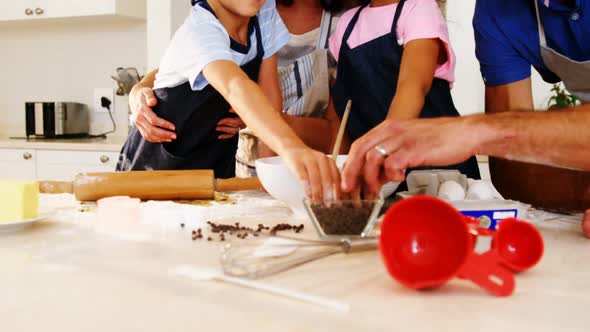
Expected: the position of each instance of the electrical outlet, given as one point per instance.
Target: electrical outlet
(108, 93)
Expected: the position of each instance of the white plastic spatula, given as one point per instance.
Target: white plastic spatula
(207, 274)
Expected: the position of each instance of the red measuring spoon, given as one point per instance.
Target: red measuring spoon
(518, 243)
(425, 242)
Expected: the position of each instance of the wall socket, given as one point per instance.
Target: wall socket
(108, 93)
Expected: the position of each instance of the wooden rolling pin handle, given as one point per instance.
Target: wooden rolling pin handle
(237, 184)
(148, 185)
(156, 185)
(55, 187)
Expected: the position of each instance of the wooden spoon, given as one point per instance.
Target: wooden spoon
(341, 130)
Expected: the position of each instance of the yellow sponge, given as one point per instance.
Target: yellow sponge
(19, 199)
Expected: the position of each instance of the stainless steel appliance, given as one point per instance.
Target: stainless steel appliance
(56, 119)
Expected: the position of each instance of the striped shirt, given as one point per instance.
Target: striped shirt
(201, 39)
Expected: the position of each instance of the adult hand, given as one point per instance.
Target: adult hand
(405, 144)
(230, 127)
(151, 127)
(317, 172)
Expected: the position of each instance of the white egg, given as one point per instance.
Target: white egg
(479, 190)
(451, 191)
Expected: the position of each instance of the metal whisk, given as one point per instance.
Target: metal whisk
(268, 255)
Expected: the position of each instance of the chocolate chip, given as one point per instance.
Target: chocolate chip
(242, 232)
(345, 219)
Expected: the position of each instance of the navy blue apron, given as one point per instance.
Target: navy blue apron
(368, 75)
(195, 115)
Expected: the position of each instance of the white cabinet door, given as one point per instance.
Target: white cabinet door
(17, 164)
(79, 8)
(13, 10)
(70, 8)
(16, 10)
(64, 165)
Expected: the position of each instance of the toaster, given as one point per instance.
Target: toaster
(56, 119)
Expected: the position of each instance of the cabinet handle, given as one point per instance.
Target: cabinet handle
(104, 159)
(39, 11)
(27, 156)
(28, 12)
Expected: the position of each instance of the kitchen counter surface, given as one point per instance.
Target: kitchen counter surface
(62, 274)
(110, 144)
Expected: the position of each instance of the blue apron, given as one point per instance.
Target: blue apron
(195, 115)
(368, 75)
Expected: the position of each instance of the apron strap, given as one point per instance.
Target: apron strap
(398, 13)
(325, 29)
(253, 20)
(204, 4)
(350, 26)
(259, 46)
(542, 38)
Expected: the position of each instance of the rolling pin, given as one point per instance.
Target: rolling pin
(148, 185)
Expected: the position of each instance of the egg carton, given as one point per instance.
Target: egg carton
(475, 198)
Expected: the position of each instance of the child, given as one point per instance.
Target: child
(395, 62)
(210, 68)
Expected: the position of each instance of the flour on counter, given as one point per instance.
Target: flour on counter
(168, 215)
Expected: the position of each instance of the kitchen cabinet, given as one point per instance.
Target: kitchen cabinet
(44, 9)
(17, 163)
(16, 10)
(64, 165)
(55, 165)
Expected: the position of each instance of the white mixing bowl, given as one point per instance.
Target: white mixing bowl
(283, 185)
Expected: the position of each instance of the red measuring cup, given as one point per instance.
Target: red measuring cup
(425, 242)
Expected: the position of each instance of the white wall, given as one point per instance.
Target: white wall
(163, 18)
(64, 61)
(468, 92)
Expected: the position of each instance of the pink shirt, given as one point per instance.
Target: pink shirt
(420, 19)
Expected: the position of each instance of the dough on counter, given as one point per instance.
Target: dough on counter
(218, 198)
(19, 199)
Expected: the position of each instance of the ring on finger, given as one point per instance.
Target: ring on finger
(381, 151)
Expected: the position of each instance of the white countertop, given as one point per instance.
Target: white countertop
(111, 144)
(63, 275)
